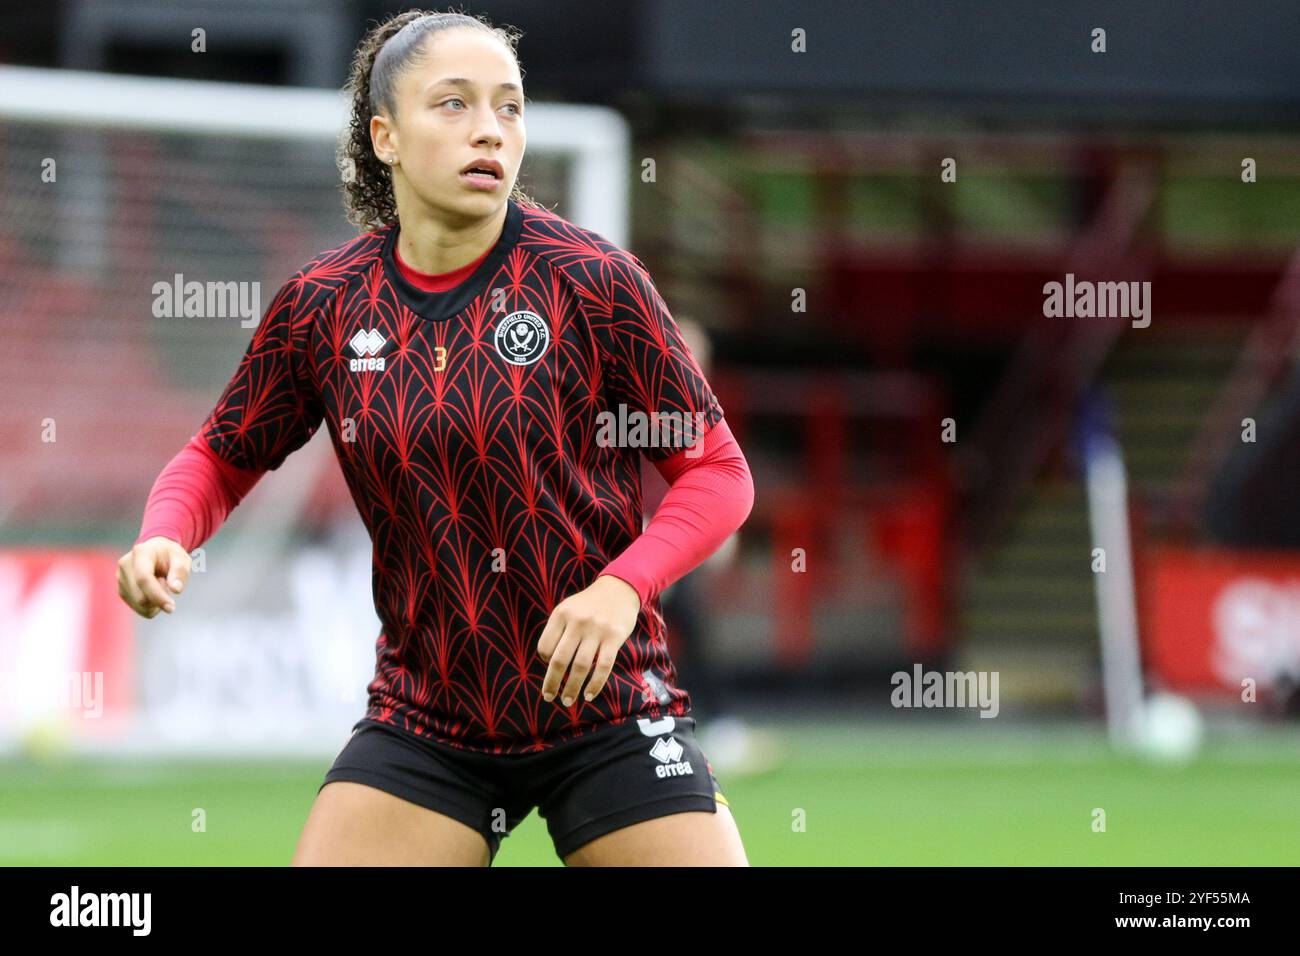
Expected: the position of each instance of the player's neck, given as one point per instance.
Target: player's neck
(431, 245)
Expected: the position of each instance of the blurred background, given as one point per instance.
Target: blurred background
(857, 210)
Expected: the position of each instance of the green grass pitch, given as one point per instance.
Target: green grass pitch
(872, 793)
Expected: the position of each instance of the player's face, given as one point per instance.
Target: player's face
(444, 127)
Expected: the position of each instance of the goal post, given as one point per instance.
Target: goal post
(593, 141)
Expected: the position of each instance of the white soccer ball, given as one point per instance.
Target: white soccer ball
(1171, 728)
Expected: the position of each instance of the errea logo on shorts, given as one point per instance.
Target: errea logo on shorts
(667, 751)
(669, 754)
(367, 343)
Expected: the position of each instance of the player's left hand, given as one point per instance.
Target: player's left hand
(584, 634)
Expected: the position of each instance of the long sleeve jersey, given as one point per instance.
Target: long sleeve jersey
(490, 436)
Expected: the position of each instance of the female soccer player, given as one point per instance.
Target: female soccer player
(489, 374)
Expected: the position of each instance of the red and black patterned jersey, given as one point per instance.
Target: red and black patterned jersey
(468, 425)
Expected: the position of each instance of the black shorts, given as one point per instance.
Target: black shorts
(609, 778)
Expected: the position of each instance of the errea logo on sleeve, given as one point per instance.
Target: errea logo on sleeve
(367, 343)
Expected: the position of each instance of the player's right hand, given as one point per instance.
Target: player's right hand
(150, 573)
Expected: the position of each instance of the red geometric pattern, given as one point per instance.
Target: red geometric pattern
(487, 497)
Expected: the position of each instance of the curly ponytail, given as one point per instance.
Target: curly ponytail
(367, 183)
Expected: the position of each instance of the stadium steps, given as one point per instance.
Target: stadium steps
(1029, 609)
(1037, 586)
(1162, 385)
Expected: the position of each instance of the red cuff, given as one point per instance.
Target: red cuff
(193, 495)
(709, 497)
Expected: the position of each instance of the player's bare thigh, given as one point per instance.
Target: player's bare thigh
(694, 838)
(351, 824)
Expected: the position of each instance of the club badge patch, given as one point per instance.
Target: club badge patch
(522, 338)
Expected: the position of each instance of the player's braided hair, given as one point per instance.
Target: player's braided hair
(380, 58)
